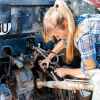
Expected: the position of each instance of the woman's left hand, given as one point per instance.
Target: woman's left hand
(61, 72)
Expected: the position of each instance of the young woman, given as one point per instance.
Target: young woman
(59, 23)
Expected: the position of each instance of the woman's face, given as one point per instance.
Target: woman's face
(58, 33)
(56, 29)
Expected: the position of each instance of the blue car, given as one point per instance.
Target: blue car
(21, 24)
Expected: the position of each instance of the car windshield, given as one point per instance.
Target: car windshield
(22, 19)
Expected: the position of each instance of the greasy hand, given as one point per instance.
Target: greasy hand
(60, 72)
(44, 64)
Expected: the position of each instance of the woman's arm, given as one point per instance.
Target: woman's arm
(58, 47)
(69, 71)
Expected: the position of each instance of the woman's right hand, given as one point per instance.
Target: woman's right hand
(44, 64)
(61, 72)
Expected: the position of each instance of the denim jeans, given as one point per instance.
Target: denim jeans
(95, 80)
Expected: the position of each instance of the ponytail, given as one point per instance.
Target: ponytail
(66, 12)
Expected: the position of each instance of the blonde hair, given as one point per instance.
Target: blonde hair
(61, 10)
